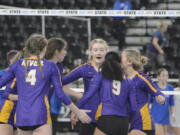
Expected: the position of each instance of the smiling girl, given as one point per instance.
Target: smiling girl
(98, 49)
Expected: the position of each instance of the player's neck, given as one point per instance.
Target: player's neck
(131, 73)
(96, 65)
(54, 60)
(162, 85)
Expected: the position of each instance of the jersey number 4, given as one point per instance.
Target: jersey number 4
(31, 77)
(116, 87)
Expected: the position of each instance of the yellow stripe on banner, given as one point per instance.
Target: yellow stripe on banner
(6, 110)
(146, 118)
(147, 82)
(49, 121)
(13, 83)
(98, 112)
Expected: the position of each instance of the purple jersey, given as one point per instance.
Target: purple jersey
(8, 107)
(87, 72)
(60, 69)
(115, 96)
(142, 87)
(32, 89)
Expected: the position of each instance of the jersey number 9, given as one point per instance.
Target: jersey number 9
(116, 87)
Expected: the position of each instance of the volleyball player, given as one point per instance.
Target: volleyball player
(55, 52)
(98, 49)
(132, 63)
(115, 96)
(7, 105)
(34, 76)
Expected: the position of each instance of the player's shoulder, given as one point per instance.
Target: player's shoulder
(47, 61)
(143, 76)
(17, 62)
(83, 66)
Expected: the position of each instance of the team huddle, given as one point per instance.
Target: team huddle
(115, 99)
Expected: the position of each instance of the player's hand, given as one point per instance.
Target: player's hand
(79, 95)
(137, 132)
(83, 117)
(160, 99)
(161, 52)
(74, 120)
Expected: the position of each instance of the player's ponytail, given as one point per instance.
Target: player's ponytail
(34, 45)
(111, 68)
(138, 61)
(143, 60)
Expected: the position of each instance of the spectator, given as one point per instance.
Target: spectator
(155, 50)
(176, 124)
(161, 113)
(119, 24)
(122, 5)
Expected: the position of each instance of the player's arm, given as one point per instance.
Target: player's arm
(73, 75)
(55, 78)
(150, 88)
(69, 91)
(93, 88)
(11, 91)
(8, 75)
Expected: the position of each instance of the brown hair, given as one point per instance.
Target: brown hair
(137, 60)
(53, 45)
(10, 55)
(34, 45)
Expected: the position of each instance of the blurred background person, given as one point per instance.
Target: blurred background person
(161, 113)
(155, 50)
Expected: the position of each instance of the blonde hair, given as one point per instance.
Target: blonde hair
(98, 40)
(137, 60)
(161, 24)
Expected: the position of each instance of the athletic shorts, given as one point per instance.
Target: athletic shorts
(29, 128)
(87, 129)
(113, 125)
(149, 132)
